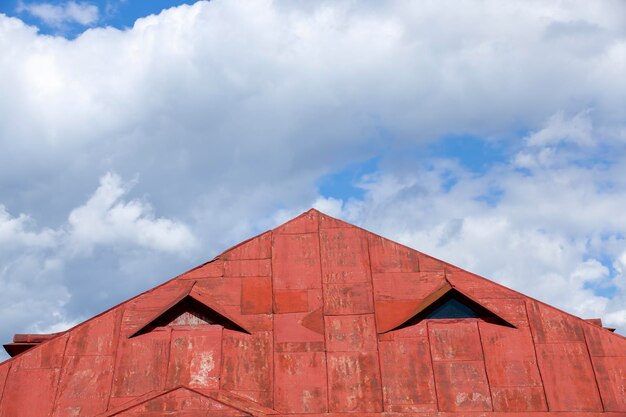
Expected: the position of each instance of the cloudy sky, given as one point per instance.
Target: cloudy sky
(139, 139)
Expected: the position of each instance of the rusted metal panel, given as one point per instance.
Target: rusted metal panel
(141, 364)
(415, 330)
(550, 325)
(407, 375)
(348, 299)
(256, 295)
(296, 262)
(250, 322)
(4, 372)
(428, 263)
(568, 377)
(224, 291)
(477, 287)
(29, 392)
(354, 382)
(98, 336)
(455, 340)
(611, 376)
(301, 385)
(314, 321)
(248, 268)
(389, 256)
(211, 269)
(513, 310)
(327, 222)
(458, 365)
(518, 399)
(305, 223)
(265, 398)
(247, 363)
(300, 347)
(344, 255)
(462, 386)
(183, 400)
(259, 247)
(512, 369)
(509, 356)
(242, 402)
(602, 342)
(291, 301)
(84, 386)
(179, 403)
(350, 333)
(390, 314)
(195, 358)
(46, 355)
(289, 328)
(406, 285)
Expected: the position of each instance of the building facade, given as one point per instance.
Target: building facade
(320, 317)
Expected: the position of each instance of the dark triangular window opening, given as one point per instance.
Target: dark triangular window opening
(189, 312)
(455, 305)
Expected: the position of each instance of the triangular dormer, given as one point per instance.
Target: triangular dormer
(191, 309)
(448, 303)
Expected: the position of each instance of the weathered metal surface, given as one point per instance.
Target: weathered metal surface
(390, 257)
(97, 337)
(247, 364)
(354, 382)
(408, 385)
(182, 402)
(256, 295)
(195, 358)
(141, 364)
(568, 377)
(462, 386)
(301, 383)
(85, 385)
(316, 306)
(512, 369)
(611, 376)
(459, 369)
(29, 392)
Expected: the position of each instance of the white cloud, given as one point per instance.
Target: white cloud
(562, 129)
(60, 15)
(105, 220)
(36, 278)
(14, 232)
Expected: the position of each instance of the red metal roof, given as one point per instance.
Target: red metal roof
(320, 317)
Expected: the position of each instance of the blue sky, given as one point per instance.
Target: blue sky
(139, 139)
(71, 18)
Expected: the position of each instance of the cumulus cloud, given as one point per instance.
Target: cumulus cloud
(60, 15)
(105, 220)
(230, 131)
(35, 285)
(15, 232)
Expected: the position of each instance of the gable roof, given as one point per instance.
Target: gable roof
(192, 302)
(320, 316)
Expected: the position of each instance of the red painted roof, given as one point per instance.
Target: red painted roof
(320, 317)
